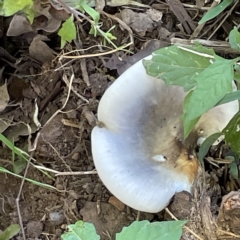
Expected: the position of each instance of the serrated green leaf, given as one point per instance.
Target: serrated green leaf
(234, 38)
(81, 231)
(10, 232)
(212, 85)
(232, 133)
(144, 230)
(204, 148)
(176, 66)
(68, 31)
(215, 11)
(12, 6)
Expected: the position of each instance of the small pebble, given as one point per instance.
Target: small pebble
(56, 218)
(75, 156)
(116, 203)
(73, 194)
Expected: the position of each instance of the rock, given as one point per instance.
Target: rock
(116, 203)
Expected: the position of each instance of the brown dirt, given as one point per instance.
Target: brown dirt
(64, 144)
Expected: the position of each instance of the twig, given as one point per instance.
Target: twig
(57, 173)
(229, 233)
(19, 195)
(185, 227)
(224, 19)
(138, 216)
(96, 54)
(65, 103)
(123, 24)
(55, 150)
(195, 52)
(218, 46)
(200, 26)
(84, 72)
(73, 11)
(77, 173)
(73, 90)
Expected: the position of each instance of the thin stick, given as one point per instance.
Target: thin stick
(229, 233)
(200, 26)
(19, 195)
(96, 54)
(185, 227)
(57, 173)
(195, 52)
(224, 19)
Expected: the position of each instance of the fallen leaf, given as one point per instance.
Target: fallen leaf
(139, 22)
(4, 97)
(40, 50)
(45, 21)
(18, 26)
(154, 14)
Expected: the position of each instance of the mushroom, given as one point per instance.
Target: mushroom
(138, 146)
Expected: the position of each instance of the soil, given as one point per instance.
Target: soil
(36, 75)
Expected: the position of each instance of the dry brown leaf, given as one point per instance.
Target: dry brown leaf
(46, 24)
(40, 50)
(139, 22)
(45, 21)
(18, 26)
(4, 97)
(154, 14)
(5, 123)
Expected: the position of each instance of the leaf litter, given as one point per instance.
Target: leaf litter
(35, 72)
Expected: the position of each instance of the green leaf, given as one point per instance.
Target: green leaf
(233, 167)
(30, 14)
(188, 125)
(144, 230)
(12, 6)
(229, 97)
(19, 165)
(92, 12)
(76, 3)
(204, 148)
(4, 170)
(234, 38)
(81, 231)
(212, 85)
(237, 76)
(232, 133)
(15, 150)
(237, 72)
(215, 11)
(68, 31)
(10, 232)
(176, 66)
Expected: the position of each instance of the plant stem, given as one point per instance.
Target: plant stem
(238, 88)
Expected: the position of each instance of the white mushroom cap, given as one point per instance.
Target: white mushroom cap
(136, 151)
(215, 120)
